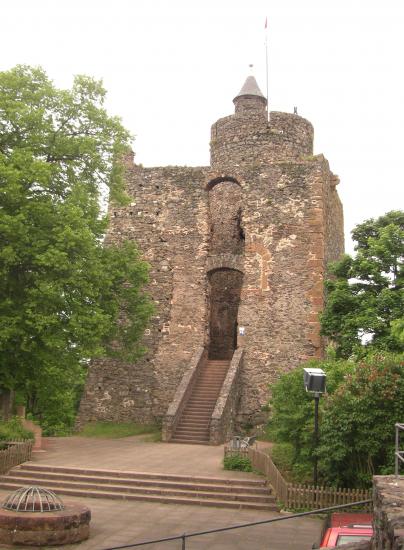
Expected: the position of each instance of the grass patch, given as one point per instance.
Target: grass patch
(237, 462)
(113, 430)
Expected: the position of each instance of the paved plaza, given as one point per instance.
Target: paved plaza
(118, 522)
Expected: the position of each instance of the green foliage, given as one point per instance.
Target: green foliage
(237, 462)
(282, 455)
(357, 415)
(112, 430)
(366, 297)
(13, 430)
(64, 297)
(292, 419)
(54, 403)
(357, 425)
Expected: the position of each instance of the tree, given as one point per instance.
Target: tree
(363, 402)
(358, 419)
(365, 300)
(64, 297)
(291, 424)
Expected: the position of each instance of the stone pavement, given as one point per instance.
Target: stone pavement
(135, 453)
(116, 523)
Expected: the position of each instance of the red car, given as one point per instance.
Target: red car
(345, 528)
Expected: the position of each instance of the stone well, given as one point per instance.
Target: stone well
(33, 516)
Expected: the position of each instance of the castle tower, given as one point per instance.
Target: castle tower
(238, 253)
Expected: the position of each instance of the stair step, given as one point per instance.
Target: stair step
(189, 441)
(206, 394)
(132, 490)
(199, 407)
(198, 402)
(153, 498)
(204, 397)
(212, 486)
(128, 474)
(191, 434)
(193, 425)
(197, 414)
(189, 424)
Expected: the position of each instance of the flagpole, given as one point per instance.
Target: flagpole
(266, 63)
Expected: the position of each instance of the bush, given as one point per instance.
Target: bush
(14, 430)
(357, 429)
(292, 409)
(357, 415)
(53, 401)
(237, 462)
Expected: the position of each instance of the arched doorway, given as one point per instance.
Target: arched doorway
(224, 294)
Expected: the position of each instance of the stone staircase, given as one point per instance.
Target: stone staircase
(193, 425)
(162, 488)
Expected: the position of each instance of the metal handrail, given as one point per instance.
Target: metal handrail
(185, 536)
(398, 455)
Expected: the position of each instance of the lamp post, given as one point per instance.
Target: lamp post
(314, 382)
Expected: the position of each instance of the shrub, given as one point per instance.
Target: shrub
(237, 462)
(357, 429)
(14, 430)
(357, 416)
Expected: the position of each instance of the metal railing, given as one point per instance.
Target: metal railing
(183, 538)
(398, 455)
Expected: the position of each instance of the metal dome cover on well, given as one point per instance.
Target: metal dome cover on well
(33, 499)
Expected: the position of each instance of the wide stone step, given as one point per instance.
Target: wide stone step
(85, 493)
(129, 474)
(213, 485)
(132, 490)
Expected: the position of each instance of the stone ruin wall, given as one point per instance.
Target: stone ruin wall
(290, 219)
(168, 220)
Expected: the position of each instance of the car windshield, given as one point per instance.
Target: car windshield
(344, 539)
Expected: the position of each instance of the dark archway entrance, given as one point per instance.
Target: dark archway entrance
(224, 290)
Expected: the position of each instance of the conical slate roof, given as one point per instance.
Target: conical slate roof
(250, 87)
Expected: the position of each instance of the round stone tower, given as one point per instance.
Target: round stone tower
(247, 138)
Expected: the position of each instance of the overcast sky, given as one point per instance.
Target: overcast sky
(172, 67)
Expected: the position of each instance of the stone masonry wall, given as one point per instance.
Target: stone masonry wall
(168, 218)
(388, 510)
(246, 139)
(266, 208)
(284, 226)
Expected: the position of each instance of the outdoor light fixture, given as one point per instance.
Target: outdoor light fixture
(314, 382)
